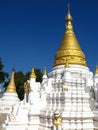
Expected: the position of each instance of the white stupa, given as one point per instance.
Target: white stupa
(10, 97)
(71, 81)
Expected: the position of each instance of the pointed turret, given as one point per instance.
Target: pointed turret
(96, 71)
(32, 74)
(32, 77)
(11, 86)
(69, 49)
(45, 74)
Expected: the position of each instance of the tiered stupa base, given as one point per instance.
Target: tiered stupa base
(7, 101)
(72, 98)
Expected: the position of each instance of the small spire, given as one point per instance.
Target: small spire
(68, 19)
(33, 74)
(45, 73)
(67, 64)
(11, 86)
(96, 71)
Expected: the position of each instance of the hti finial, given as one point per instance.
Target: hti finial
(68, 17)
(13, 69)
(68, 5)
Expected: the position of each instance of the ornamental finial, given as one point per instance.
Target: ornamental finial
(68, 5)
(68, 17)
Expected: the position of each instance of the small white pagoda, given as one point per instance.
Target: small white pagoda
(10, 96)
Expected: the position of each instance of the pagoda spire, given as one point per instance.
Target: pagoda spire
(69, 20)
(11, 86)
(45, 73)
(68, 17)
(32, 73)
(69, 50)
(96, 71)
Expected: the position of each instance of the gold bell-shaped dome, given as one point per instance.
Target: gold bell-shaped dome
(11, 86)
(69, 50)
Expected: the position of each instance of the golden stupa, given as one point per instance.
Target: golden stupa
(11, 86)
(32, 74)
(69, 50)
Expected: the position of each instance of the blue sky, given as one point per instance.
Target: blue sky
(31, 31)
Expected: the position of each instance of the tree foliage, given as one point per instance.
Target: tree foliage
(3, 75)
(38, 74)
(19, 82)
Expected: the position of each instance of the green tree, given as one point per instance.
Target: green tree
(38, 74)
(19, 82)
(3, 75)
(27, 76)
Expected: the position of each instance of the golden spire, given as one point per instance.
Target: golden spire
(96, 71)
(68, 17)
(32, 74)
(69, 49)
(11, 86)
(67, 64)
(45, 73)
